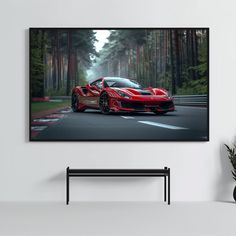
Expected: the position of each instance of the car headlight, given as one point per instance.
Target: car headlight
(124, 95)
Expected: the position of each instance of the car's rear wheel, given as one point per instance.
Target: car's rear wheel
(104, 104)
(75, 103)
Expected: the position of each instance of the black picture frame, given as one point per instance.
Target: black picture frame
(184, 139)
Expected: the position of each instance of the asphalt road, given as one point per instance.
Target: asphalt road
(186, 123)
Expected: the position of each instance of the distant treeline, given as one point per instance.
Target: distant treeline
(59, 59)
(176, 59)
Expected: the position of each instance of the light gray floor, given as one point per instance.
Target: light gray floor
(118, 218)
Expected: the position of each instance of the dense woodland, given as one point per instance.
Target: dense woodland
(176, 59)
(59, 60)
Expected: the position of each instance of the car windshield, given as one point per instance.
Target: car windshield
(122, 83)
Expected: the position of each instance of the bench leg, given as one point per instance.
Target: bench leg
(67, 186)
(165, 185)
(169, 186)
(164, 188)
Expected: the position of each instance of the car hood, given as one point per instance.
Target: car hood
(133, 91)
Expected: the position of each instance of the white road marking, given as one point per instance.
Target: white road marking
(127, 117)
(162, 125)
(54, 116)
(66, 111)
(38, 128)
(46, 120)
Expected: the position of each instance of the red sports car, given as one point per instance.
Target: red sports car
(115, 94)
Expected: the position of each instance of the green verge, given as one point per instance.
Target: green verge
(44, 106)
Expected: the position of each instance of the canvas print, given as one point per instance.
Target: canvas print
(119, 84)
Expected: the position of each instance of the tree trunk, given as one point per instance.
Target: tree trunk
(196, 53)
(58, 60)
(68, 84)
(189, 54)
(193, 55)
(172, 64)
(42, 48)
(54, 61)
(177, 59)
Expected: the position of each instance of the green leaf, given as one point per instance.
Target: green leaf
(232, 158)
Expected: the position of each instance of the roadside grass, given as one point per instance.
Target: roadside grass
(44, 106)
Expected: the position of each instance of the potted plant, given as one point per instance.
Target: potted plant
(232, 158)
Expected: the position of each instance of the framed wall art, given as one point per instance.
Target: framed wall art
(119, 84)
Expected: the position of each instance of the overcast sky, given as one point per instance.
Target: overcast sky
(101, 36)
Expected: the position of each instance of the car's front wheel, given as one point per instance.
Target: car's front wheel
(75, 103)
(104, 104)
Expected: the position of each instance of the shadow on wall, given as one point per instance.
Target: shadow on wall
(225, 184)
(60, 177)
(107, 188)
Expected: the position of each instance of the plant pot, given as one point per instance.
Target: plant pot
(234, 194)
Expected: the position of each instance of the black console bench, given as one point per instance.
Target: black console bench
(119, 173)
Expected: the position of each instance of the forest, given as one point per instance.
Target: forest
(176, 59)
(59, 60)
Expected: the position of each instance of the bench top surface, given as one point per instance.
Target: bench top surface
(118, 171)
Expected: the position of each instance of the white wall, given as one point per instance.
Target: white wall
(35, 171)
